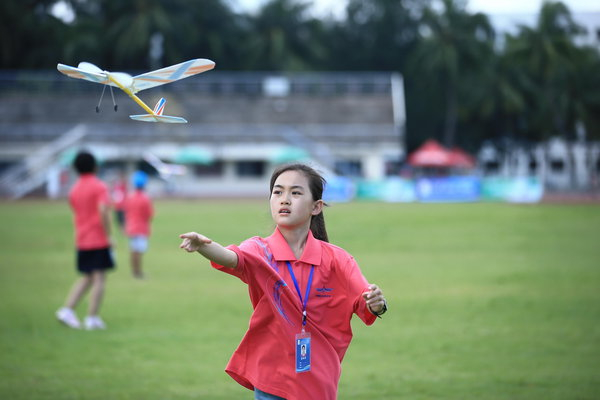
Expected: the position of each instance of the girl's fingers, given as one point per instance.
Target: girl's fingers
(192, 241)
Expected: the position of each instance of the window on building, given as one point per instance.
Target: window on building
(491, 167)
(392, 168)
(214, 169)
(250, 169)
(350, 168)
(6, 165)
(533, 165)
(557, 165)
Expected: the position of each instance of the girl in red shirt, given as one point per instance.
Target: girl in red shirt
(303, 290)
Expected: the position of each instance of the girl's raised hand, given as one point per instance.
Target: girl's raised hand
(193, 241)
(375, 299)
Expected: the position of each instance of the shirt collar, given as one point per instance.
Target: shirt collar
(282, 251)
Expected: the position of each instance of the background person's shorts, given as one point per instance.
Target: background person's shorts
(120, 217)
(94, 260)
(138, 243)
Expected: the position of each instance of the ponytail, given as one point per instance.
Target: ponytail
(317, 226)
(316, 185)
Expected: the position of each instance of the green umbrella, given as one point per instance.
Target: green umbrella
(67, 157)
(289, 154)
(193, 155)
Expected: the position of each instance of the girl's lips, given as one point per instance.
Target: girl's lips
(284, 211)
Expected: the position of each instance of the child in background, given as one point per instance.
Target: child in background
(138, 215)
(119, 195)
(90, 202)
(303, 290)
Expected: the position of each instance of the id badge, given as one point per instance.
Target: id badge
(303, 352)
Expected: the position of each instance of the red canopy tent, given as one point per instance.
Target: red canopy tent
(462, 159)
(430, 154)
(433, 154)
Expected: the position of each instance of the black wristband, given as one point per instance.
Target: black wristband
(383, 310)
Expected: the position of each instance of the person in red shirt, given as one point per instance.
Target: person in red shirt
(138, 215)
(303, 290)
(90, 202)
(119, 196)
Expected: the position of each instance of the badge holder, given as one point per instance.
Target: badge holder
(303, 351)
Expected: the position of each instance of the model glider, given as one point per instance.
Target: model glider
(133, 84)
(164, 170)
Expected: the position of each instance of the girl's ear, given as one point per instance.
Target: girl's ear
(317, 207)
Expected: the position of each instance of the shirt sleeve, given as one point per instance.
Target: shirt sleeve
(103, 194)
(357, 285)
(248, 253)
(239, 271)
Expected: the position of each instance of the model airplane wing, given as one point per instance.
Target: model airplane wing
(84, 70)
(92, 73)
(170, 74)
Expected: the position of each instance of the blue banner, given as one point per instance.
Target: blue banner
(448, 189)
(339, 189)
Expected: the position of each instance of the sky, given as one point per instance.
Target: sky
(504, 14)
(325, 7)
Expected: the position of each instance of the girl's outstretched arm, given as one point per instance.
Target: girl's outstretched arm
(193, 241)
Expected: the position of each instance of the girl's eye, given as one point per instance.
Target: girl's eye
(296, 193)
(276, 191)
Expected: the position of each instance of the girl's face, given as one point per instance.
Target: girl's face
(291, 201)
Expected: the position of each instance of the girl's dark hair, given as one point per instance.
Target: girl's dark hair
(316, 184)
(84, 163)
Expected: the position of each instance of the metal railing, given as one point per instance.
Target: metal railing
(32, 171)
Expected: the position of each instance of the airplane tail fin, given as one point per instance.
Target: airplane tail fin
(160, 106)
(158, 116)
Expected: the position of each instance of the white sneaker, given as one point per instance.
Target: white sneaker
(93, 322)
(68, 317)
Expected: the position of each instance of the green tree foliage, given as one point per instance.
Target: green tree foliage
(118, 34)
(30, 35)
(459, 87)
(453, 49)
(376, 35)
(563, 86)
(282, 37)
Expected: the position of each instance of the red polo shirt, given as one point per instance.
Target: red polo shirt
(266, 356)
(85, 198)
(138, 213)
(119, 195)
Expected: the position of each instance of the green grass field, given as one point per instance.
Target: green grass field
(487, 301)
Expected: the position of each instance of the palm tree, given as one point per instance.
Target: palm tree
(547, 53)
(283, 37)
(375, 36)
(30, 36)
(454, 45)
(556, 68)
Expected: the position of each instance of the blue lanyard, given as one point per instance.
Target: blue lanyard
(305, 300)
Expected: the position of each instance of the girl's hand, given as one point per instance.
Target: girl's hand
(193, 241)
(375, 300)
